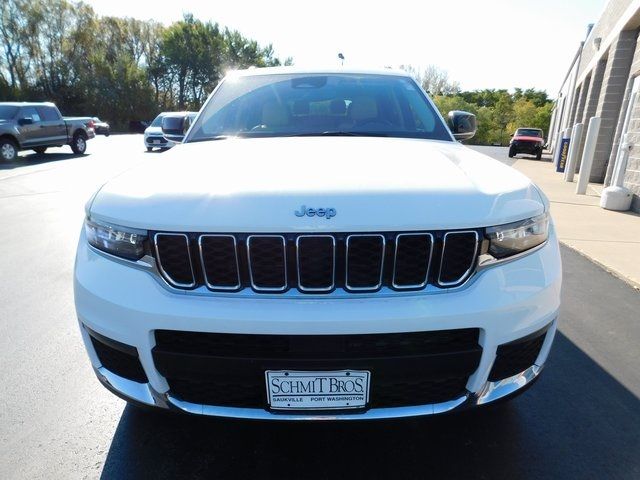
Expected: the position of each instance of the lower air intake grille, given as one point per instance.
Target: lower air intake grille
(515, 357)
(229, 369)
(118, 358)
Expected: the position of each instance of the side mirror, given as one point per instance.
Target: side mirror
(175, 127)
(25, 121)
(462, 124)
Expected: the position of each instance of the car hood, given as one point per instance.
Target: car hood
(373, 184)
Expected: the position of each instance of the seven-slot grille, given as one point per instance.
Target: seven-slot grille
(271, 263)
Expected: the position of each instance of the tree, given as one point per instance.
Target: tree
(437, 82)
(193, 52)
(13, 31)
(118, 68)
(499, 111)
(433, 80)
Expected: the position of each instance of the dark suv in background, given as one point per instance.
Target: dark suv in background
(527, 140)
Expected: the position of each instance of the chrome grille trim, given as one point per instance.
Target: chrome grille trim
(395, 257)
(166, 276)
(346, 273)
(284, 251)
(333, 277)
(212, 286)
(387, 283)
(471, 265)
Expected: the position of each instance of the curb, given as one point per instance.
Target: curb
(632, 283)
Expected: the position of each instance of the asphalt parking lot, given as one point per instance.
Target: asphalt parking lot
(581, 420)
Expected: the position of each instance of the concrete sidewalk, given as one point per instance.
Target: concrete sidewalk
(611, 239)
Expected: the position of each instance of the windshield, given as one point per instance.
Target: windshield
(7, 112)
(528, 132)
(157, 122)
(319, 104)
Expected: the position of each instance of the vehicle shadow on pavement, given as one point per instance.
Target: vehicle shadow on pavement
(38, 158)
(576, 422)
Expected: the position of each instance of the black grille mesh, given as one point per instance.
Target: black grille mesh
(283, 346)
(413, 254)
(458, 256)
(516, 357)
(365, 255)
(316, 262)
(229, 369)
(119, 362)
(174, 257)
(417, 391)
(267, 262)
(251, 392)
(219, 261)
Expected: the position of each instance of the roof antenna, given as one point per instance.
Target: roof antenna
(341, 57)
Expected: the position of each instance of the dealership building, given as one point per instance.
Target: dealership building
(602, 81)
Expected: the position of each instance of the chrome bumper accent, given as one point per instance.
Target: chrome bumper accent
(145, 394)
(493, 391)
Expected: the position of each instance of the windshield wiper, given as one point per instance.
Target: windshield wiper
(337, 133)
(214, 137)
(328, 133)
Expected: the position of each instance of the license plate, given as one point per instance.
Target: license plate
(155, 141)
(295, 390)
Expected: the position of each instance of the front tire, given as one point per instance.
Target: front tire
(40, 150)
(149, 149)
(539, 155)
(512, 152)
(8, 150)
(79, 143)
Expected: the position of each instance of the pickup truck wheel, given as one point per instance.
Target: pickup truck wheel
(8, 150)
(40, 150)
(79, 144)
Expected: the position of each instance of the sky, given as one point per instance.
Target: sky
(481, 44)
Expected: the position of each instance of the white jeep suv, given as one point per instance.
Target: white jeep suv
(320, 247)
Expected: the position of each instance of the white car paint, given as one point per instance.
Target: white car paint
(374, 185)
(427, 185)
(152, 134)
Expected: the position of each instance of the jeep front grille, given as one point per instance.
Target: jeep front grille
(275, 263)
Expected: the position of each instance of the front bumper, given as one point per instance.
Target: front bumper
(506, 302)
(145, 394)
(527, 147)
(157, 141)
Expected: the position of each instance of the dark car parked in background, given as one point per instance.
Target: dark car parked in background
(138, 126)
(527, 140)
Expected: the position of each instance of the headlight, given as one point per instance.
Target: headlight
(513, 238)
(126, 243)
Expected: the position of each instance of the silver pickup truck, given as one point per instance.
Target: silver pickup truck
(37, 126)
